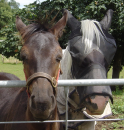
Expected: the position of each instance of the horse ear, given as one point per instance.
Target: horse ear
(106, 21)
(57, 29)
(72, 22)
(19, 24)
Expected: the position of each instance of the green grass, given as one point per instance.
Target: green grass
(109, 75)
(118, 107)
(16, 69)
(117, 110)
(12, 67)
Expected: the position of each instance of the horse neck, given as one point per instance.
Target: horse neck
(43, 126)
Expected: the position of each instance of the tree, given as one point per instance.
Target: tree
(14, 7)
(10, 46)
(5, 13)
(13, 4)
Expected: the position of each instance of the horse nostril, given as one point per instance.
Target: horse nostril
(88, 100)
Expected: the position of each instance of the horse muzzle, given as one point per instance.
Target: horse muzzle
(95, 105)
(42, 99)
(95, 98)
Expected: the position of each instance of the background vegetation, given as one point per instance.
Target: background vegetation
(7, 10)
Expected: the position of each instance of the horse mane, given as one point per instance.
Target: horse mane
(42, 24)
(91, 29)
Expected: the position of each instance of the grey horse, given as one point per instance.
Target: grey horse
(88, 55)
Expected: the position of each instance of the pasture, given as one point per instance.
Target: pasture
(15, 67)
(12, 66)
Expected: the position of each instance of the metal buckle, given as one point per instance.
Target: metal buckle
(54, 82)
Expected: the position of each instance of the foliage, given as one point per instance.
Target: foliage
(14, 7)
(118, 112)
(13, 4)
(118, 107)
(10, 46)
(96, 9)
(5, 13)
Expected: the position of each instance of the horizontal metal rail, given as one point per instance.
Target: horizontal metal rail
(52, 121)
(65, 83)
(83, 82)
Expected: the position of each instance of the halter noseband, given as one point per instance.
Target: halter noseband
(52, 80)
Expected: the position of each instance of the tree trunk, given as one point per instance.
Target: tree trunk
(117, 66)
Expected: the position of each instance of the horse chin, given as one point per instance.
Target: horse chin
(41, 116)
(42, 110)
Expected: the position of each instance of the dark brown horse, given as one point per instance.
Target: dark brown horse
(41, 55)
(8, 76)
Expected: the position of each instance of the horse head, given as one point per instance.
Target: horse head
(92, 49)
(41, 55)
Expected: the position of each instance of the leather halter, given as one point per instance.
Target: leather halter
(52, 80)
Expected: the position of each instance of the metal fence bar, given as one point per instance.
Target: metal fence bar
(52, 121)
(83, 82)
(66, 84)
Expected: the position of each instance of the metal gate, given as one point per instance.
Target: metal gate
(66, 84)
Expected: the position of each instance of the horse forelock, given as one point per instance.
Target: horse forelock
(32, 29)
(90, 31)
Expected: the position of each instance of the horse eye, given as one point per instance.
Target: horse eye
(23, 57)
(59, 58)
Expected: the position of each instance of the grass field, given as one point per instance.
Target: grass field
(10, 66)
